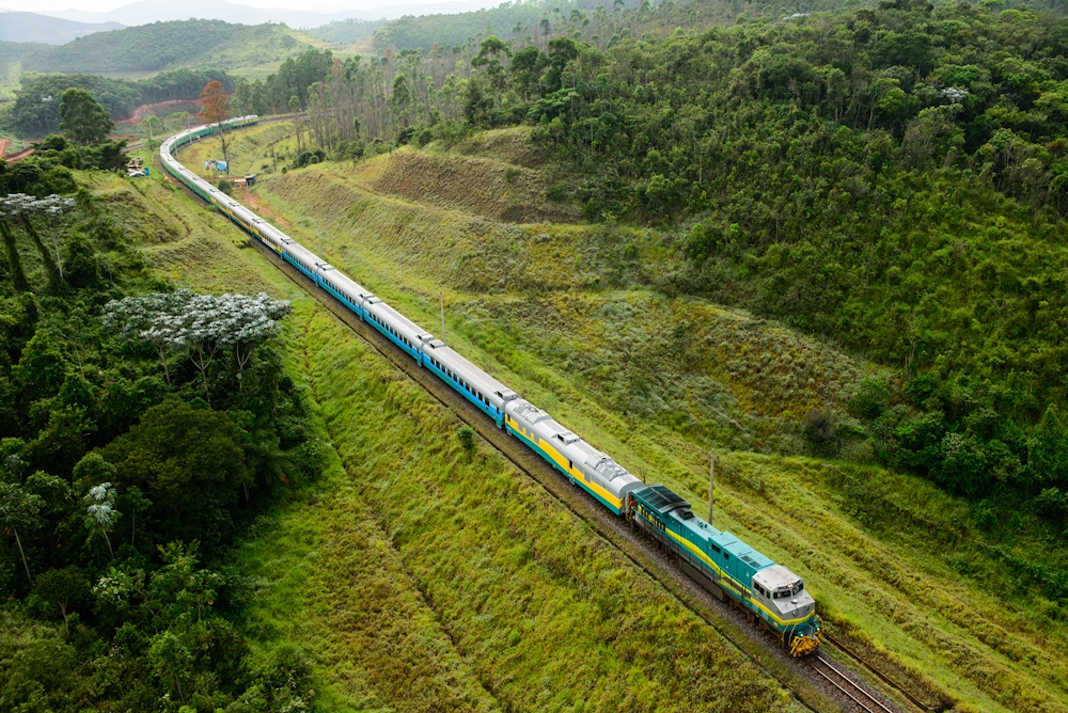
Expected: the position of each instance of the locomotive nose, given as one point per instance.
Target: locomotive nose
(800, 605)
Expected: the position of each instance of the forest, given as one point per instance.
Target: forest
(164, 45)
(143, 427)
(893, 179)
(35, 111)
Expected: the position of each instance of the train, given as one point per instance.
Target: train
(771, 593)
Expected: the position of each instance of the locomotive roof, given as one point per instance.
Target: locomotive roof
(660, 498)
(742, 551)
(776, 576)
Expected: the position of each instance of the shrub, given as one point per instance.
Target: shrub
(467, 439)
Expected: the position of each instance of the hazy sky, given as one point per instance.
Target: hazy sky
(306, 5)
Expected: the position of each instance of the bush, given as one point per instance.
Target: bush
(467, 439)
(820, 430)
(870, 399)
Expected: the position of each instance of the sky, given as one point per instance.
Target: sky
(106, 5)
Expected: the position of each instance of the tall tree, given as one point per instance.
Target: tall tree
(13, 261)
(63, 589)
(82, 118)
(24, 208)
(19, 509)
(100, 512)
(214, 109)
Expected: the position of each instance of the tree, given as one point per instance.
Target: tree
(100, 512)
(199, 324)
(189, 463)
(134, 501)
(63, 589)
(400, 100)
(150, 317)
(19, 509)
(82, 118)
(151, 125)
(488, 54)
(24, 207)
(215, 109)
(18, 276)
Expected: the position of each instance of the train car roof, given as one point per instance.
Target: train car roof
(380, 308)
(469, 372)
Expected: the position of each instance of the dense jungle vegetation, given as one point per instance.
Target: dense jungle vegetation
(892, 178)
(140, 428)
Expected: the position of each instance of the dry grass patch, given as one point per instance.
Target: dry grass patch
(487, 187)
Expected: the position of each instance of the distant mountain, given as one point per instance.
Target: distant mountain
(145, 11)
(169, 45)
(15, 51)
(31, 27)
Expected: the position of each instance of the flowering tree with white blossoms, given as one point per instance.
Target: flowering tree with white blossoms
(100, 513)
(202, 326)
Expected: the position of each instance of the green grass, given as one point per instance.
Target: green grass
(418, 576)
(560, 313)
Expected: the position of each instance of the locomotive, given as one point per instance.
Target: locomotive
(770, 592)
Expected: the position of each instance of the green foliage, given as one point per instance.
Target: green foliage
(345, 32)
(163, 46)
(466, 436)
(176, 450)
(114, 484)
(36, 108)
(82, 118)
(287, 89)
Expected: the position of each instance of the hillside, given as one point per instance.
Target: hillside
(363, 584)
(169, 45)
(550, 307)
(35, 111)
(32, 27)
(890, 179)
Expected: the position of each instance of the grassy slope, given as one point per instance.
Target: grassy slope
(421, 577)
(653, 380)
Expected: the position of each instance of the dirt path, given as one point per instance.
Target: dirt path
(3, 146)
(20, 155)
(140, 112)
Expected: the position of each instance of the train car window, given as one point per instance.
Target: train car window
(714, 546)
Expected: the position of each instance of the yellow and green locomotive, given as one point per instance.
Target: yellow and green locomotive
(775, 595)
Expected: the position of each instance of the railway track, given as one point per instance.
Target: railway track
(904, 692)
(643, 553)
(638, 550)
(836, 676)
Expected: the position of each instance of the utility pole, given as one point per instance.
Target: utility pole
(711, 482)
(442, 296)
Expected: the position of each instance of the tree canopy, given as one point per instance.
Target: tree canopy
(82, 118)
